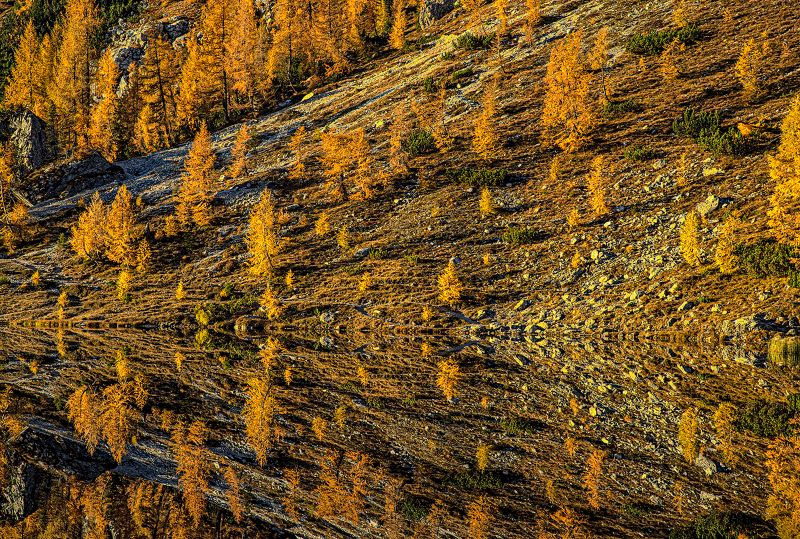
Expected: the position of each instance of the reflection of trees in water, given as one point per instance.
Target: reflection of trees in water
(385, 421)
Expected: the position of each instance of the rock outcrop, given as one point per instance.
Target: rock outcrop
(28, 136)
(432, 10)
(63, 180)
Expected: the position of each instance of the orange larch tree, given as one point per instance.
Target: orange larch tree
(196, 189)
(104, 125)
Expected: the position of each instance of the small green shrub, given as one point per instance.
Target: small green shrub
(419, 142)
(767, 419)
(429, 85)
(793, 403)
(474, 480)
(765, 258)
(706, 129)
(516, 426)
(794, 279)
(616, 108)
(415, 509)
(483, 177)
(656, 41)
(693, 122)
(722, 142)
(720, 525)
(639, 153)
(520, 236)
(472, 42)
(461, 74)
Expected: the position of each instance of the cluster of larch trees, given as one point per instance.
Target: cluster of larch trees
(235, 60)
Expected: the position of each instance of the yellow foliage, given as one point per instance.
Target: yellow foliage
(259, 417)
(599, 55)
(485, 140)
(450, 286)
(596, 185)
(724, 419)
(397, 37)
(263, 242)
(448, 377)
(690, 239)
(120, 230)
(482, 457)
(566, 114)
(271, 304)
(725, 254)
(533, 17)
(748, 68)
(88, 237)
(784, 215)
(234, 495)
(318, 426)
(486, 204)
(239, 153)
(124, 285)
(180, 292)
(322, 226)
(196, 188)
(687, 434)
(669, 67)
(82, 412)
(591, 478)
(104, 125)
(194, 467)
(783, 506)
(296, 145)
(479, 516)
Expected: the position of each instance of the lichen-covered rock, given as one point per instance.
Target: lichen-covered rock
(432, 10)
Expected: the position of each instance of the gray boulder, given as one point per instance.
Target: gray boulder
(125, 56)
(176, 27)
(29, 140)
(432, 10)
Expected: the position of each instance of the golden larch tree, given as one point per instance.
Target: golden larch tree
(88, 238)
(687, 434)
(567, 115)
(157, 76)
(262, 239)
(239, 153)
(748, 68)
(725, 253)
(21, 90)
(196, 189)
(121, 232)
(104, 124)
(246, 54)
(194, 467)
(297, 147)
(533, 17)
(690, 239)
(397, 37)
(259, 417)
(485, 140)
(449, 284)
(784, 215)
(72, 79)
(596, 185)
